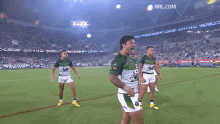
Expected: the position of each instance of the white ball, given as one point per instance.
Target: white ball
(118, 6)
(89, 35)
(150, 7)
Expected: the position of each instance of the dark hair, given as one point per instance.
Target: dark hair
(63, 51)
(124, 39)
(149, 47)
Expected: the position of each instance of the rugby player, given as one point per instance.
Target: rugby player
(147, 77)
(135, 59)
(156, 76)
(64, 65)
(122, 74)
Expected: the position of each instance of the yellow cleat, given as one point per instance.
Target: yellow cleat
(153, 106)
(76, 103)
(141, 106)
(60, 103)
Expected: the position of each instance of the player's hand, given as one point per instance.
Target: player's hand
(130, 92)
(78, 76)
(142, 80)
(160, 77)
(53, 78)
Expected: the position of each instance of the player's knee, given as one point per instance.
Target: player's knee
(144, 86)
(152, 90)
(71, 85)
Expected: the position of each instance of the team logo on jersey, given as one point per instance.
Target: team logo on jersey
(114, 66)
(137, 103)
(147, 61)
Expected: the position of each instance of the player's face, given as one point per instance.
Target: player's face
(135, 56)
(150, 51)
(129, 46)
(64, 54)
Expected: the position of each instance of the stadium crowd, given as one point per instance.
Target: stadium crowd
(203, 48)
(40, 38)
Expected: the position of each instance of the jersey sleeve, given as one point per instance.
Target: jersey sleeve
(136, 61)
(142, 60)
(56, 64)
(155, 61)
(116, 67)
(71, 64)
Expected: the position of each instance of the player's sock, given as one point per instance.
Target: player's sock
(139, 100)
(151, 101)
(74, 99)
(61, 98)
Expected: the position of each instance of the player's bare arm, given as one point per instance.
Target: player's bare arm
(157, 69)
(118, 83)
(139, 86)
(52, 73)
(140, 66)
(74, 69)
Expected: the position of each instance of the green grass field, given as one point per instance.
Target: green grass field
(187, 96)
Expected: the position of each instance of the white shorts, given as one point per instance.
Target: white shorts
(65, 79)
(149, 78)
(129, 104)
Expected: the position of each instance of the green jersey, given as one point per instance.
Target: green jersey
(148, 64)
(63, 66)
(136, 64)
(125, 68)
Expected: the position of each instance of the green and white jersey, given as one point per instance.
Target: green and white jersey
(63, 66)
(125, 68)
(148, 64)
(136, 64)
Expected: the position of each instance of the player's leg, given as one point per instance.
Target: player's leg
(156, 83)
(61, 88)
(126, 119)
(144, 86)
(137, 117)
(72, 87)
(143, 90)
(152, 83)
(131, 108)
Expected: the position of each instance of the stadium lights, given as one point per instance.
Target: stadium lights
(210, 1)
(89, 35)
(82, 24)
(118, 6)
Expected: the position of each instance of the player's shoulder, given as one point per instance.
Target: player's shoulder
(144, 57)
(58, 60)
(119, 58)
(68, 60)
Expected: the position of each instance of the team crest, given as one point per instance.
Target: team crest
(137, 103)
(114, 66)
(151, 62)
(147, 61)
